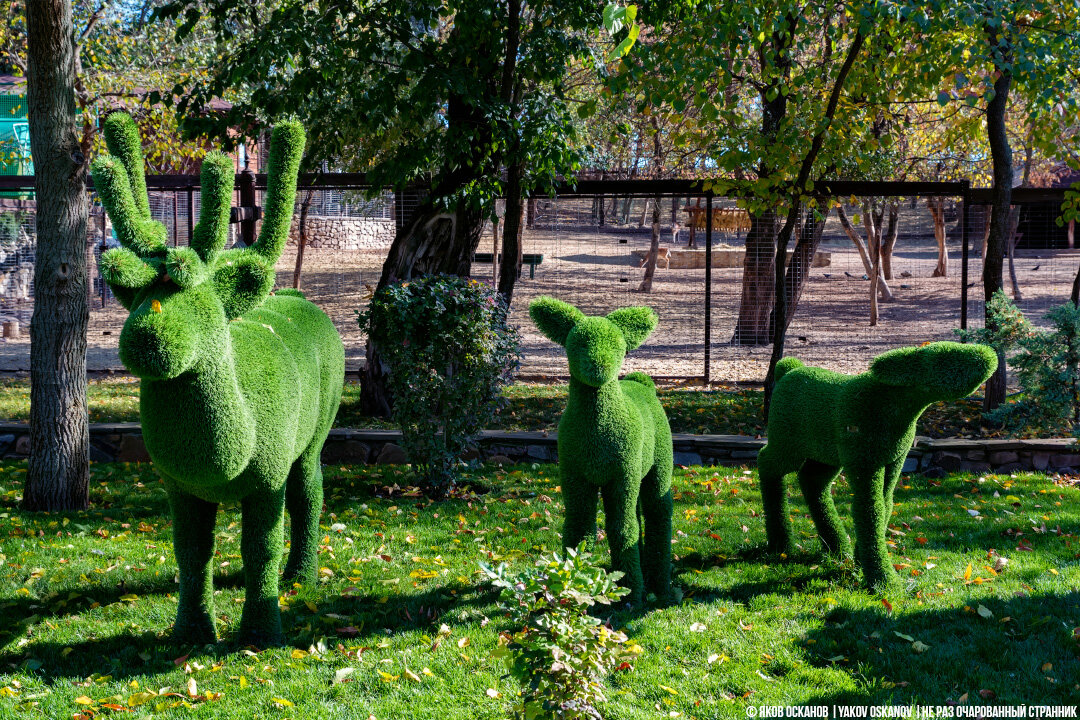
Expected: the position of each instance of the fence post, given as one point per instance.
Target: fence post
(247, 200)
(708, 287)
(190, 214)
(966, 200)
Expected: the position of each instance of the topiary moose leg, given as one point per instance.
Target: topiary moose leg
(621, 524)
(868, 508)
(303, 500)
(580, 500)
(778, 532)
(260, 546)
(193, 544)
(656, 508)
(816, 481)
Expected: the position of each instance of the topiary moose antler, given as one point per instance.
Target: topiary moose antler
(239, 386)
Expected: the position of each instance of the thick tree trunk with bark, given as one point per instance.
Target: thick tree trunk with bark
(1011, 239)
(1001, 155)
(58, 473)
(756, 301)
(888, 241)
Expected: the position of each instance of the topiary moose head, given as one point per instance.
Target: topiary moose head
(178, 296)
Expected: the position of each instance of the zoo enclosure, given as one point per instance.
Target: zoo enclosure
(587, 242)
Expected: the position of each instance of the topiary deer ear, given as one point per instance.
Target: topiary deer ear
(901, 367)
(636, 323)
(242, 279)
(554, 317)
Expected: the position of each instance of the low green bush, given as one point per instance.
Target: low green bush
(450, 351)
(560, 653)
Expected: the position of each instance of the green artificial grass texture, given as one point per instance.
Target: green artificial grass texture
(401, 615)
(614, 441)
(822, 421)
(239, 387)
(720, 411)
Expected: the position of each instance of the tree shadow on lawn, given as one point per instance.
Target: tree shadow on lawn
(362, 619)
(956, 651)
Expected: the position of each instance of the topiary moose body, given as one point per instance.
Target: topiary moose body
(239, 386)
(614, 439)
(821, 421)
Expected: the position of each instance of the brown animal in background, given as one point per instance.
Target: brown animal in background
(661, 254)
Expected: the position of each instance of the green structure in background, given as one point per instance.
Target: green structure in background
(614, 439)
(15, 156)
(239, 386)
(821, 421)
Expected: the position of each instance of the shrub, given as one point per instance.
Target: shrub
(560, 653)
(1047, 366)
(449, 351)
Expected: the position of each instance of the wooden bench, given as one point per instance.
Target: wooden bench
(530, 259)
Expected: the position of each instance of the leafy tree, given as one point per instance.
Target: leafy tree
(983, 51)
(448, 94)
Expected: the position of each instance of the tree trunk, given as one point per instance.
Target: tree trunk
(1001, 194)
(802, 258)
(301, 238)
(1011, 240)
(435, 241)
(884, 292)
(58, 473)
(654, 249)
(756, 302)
(936, 205)
(510, 270)
(888, 242)
(530, 215)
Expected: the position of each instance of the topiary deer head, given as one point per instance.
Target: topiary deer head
(180, 298)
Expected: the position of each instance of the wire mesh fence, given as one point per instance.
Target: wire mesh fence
(591, 246)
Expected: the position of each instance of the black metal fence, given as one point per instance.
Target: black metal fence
(589, 243)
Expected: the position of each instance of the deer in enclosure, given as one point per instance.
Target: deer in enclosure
(661, 254)
(239, 386)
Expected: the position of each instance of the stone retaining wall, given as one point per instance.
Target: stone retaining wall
(122, 442)
(345, 233)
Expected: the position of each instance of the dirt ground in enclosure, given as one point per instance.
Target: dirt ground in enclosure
(594, 269)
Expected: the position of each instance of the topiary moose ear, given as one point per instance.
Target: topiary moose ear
(901, 367)
(554, 317)
(242, 279)
(636, 323)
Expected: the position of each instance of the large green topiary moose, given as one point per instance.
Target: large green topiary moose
(239, 386)
(821, 421)
(613, 437)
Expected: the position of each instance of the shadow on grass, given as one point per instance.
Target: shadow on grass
(1025, 652)
(358, 620)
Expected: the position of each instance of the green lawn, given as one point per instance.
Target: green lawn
(724, 411)
(402, 618)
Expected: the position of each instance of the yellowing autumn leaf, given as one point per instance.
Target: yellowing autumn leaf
(83, 700)
(411, 675)
(192, 688)
(282, 702)
(129, 598)
(967, 572)
(670, 690)
(387, 677)
(298, 654)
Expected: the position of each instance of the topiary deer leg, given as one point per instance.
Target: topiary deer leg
(621, 524)
(892, 475)
(778, 534)
(304, 499)
(580, 501)
(260, 546)
(657, 501)
(193, 545)
(868, 509)
(816, 481)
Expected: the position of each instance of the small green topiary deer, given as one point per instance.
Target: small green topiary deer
(821, 421)
(613, 437)
(239, 387)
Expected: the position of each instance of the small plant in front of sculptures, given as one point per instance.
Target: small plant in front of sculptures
(560, 653)
(450, 351)
(1047, 366)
